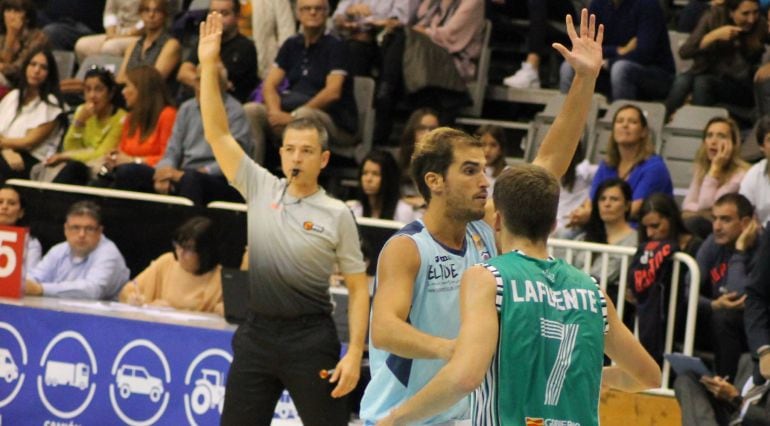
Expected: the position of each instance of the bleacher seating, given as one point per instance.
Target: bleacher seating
(478, 87)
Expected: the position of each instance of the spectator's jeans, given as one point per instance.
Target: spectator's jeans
(628, 80)
(270, 355)
(708, 90)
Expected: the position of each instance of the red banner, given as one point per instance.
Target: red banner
(12, 246)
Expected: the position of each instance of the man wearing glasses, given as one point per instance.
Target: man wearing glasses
(85, 266)
(315, 65)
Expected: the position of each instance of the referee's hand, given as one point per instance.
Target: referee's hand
(346, 374)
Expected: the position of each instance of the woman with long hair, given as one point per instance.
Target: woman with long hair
(573, 189)
(29, 125)
(94, 132)
(630, 157)
(718, 167)
(189, 277)
(420, 122)
(19, 36)
(146, 129)
(380, 194)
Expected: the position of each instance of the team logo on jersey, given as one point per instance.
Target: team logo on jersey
(310, 226)
(480, 247)
(534, 421)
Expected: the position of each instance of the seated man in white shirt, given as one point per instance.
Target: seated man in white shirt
(85, 266)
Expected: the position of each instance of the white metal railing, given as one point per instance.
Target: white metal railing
(589, 250)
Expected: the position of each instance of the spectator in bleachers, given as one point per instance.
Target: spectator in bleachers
(12, 214)
(320, 87)
(360, 21)
(94, 132)
(271, 24)
(29, 124)
(122, 25)
(85, 266)
(65, 21)
(574, 189)
(726, 47)
(420, 122)
(239, 55)
(716, 400)
(726, 259)
(155, 46)
(718, 170)
(637, 51)
(145, 132)
(493, 138)
(662, 233)
(188, 167)
(631, 157)
(189, 277)
(689, 15)
(19, 36)
(431, 61)
(758, 310)
(380, 193)
(609, 225)
(539, 11)
(755, 185)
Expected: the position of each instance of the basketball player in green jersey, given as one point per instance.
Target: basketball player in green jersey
(532, 333)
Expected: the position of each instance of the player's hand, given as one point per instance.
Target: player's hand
(586, 54)
(210, 38)
(346, 374)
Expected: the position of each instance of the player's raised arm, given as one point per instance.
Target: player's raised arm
(216, 130)
(558, 147)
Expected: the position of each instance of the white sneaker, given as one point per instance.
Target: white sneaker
(525, 78)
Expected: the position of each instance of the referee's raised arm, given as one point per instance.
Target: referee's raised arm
(216, 130)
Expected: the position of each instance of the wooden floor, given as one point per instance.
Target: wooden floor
(625, 409)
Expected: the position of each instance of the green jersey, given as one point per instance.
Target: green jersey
(548, 365)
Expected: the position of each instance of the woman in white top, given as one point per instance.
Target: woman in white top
(29, 129)
(574, 189)
(493, 138)
(380, 195)
(756, 183)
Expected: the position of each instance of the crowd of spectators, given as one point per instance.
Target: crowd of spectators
(139, 128)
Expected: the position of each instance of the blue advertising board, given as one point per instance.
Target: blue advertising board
(71, 368)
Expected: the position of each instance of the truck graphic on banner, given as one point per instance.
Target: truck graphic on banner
(67, 373)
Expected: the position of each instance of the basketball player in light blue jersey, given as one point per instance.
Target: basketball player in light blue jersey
(533, 328)
(415, 314)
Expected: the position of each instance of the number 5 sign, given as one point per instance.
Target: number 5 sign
(12, 245)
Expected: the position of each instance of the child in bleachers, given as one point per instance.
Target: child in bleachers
(29, 129)
(493, 138)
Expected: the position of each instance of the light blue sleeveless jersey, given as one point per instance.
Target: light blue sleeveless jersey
(435, 311)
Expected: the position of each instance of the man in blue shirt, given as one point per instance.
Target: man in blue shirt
(85, 266)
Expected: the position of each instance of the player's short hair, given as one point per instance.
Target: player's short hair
(527, 197)
(434, 153)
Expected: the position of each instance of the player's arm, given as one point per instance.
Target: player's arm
(348, 370)
(215, 127)
(634, 368)
(398, 266)
(476, 345)
(558, 147)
